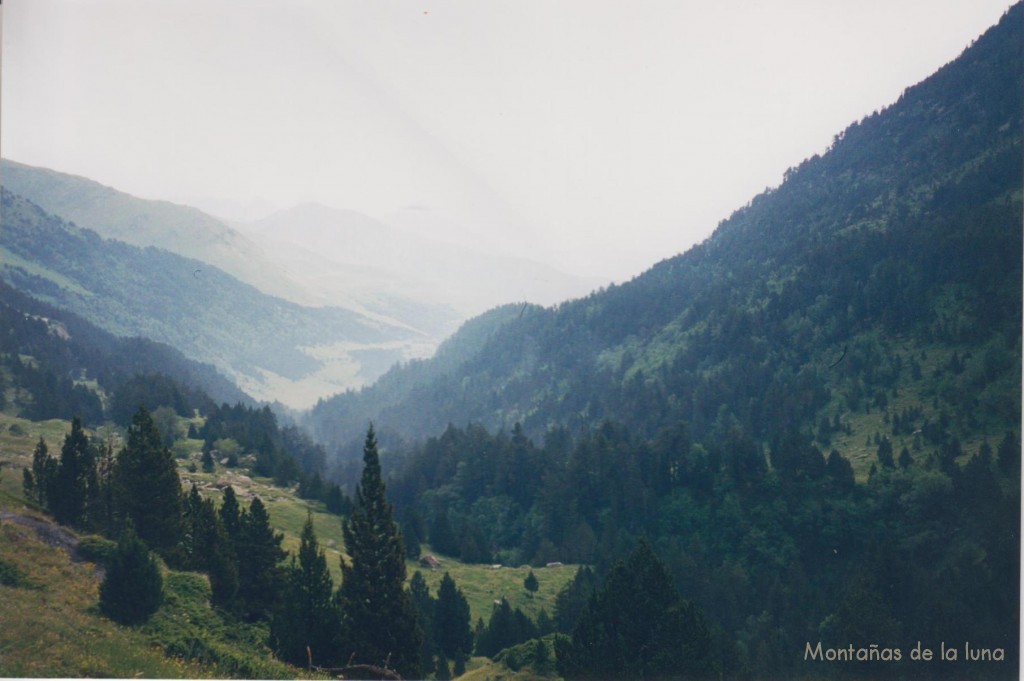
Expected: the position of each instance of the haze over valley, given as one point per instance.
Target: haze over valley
(411, 291)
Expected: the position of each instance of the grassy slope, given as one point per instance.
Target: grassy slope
(59, 631)
(859, 447)
(482, 584)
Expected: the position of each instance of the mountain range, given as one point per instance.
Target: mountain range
(331, 318)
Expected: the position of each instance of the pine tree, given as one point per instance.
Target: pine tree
(147, 489)
(28, 483)
(207, 548)
(259, 553)
(230, 514)
(530, 583)
(637, 626)
(506, 628)
(377, 612)
(132, 588)
(571, 601)
(207, 459)
(76, 468)
(43, 472)
(306, 624)
(424, 604)
(451, 620)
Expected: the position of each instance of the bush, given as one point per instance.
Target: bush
(133, 587)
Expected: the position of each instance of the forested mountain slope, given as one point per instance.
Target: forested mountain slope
(54, 364)
(892, 260)
(272, 348)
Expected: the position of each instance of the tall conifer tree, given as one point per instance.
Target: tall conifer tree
(259, 552)
(147, 489)
(230, 514)
(306, 624)
(76, 470)
(377, 611)
(451, 621)
(637, 626)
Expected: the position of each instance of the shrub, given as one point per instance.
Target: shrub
(133, 587)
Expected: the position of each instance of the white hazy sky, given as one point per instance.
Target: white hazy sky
(597, 135)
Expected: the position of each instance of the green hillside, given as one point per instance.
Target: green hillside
(892, 251)
(52, 599)
(813, 416)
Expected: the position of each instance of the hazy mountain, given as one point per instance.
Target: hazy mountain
(317, 256)
(274, 349)
(872, 271)
(348, 256)
(178, 229)
(46, 349)
(190, 232)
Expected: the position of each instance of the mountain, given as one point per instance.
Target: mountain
(187, 231)
(175, 228)
(58, 363)
(349, 256)
(889, 265)
(272, 348)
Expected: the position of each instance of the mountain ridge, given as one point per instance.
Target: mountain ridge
(268, 345)
(854, 243)
(341, 251)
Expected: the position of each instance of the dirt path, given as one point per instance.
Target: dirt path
(48, 532)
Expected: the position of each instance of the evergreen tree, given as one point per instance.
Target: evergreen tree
(530, 583)
(102, 515)
(147, 489)
(885, 456)
(451, 620)
(545, 625)
(207, 460)
(28, 483)
(74, 473)
(43, 472)
(306, 626)
(336, 501)
(132, 588)
(230, 515)
(208, 549)
(572, 600)
(424, 604)
(259, 552)
(506, 628)
(379, 619)
(637, 626)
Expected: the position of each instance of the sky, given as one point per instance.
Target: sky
(598, 136)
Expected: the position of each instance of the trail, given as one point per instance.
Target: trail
(50, 534)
